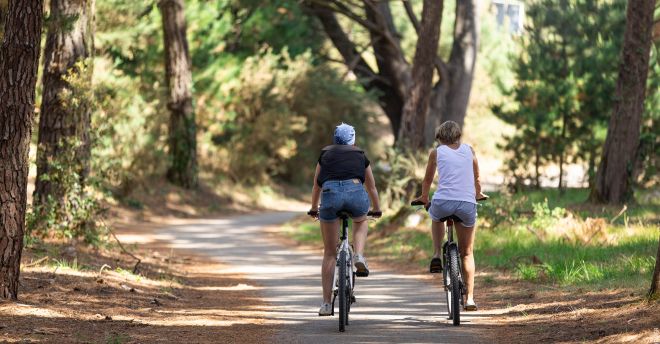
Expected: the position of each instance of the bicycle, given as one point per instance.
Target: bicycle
(452, 268)
(345, 273)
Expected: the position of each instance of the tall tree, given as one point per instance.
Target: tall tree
(391, 78)
(19, 59)
(416, 106)
(64, 119)
(182, 130)
(614, 176)
(566, 73)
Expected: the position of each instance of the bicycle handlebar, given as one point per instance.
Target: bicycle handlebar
(417, 202)
(376, 214)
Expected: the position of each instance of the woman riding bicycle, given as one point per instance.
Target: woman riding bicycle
(341, 171)
(457, 194)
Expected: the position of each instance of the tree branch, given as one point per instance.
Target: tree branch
(411, 15)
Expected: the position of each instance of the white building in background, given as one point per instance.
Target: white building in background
(509, 13)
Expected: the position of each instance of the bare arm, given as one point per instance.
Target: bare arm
(316, 190)
(477, 182)
(370, 185)
(428, 177)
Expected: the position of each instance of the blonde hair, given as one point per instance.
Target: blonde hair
(448, 133)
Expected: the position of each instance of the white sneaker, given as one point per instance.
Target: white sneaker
(325, 310)
(361, 266)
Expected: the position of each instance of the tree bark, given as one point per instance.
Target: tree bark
(655, 280)
(417, 98)
(614, 176)
(182, 129)
(4, 5)
(19, 58)
(388, 98)
(448, 97)
(462, 61)
(65, 116)
(451, 94)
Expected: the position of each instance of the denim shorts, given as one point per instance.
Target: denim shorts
(465, 211)
(348, 195)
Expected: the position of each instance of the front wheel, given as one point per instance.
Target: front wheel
(455, 286)
(342, 292)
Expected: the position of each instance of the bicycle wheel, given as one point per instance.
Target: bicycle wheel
(342, 291)
(455, 285)
(447, 281)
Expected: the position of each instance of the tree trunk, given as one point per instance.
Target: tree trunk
(388, 98)
(182, 130)
(614, 177)
(392, 82)
(417, 98)
(19, 59)
(451, 94)
(462, 61)
(65, 115)
(655, 280)
(4, 5)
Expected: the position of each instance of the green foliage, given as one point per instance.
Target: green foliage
(282, 112)
(397, 177)
(544, 217)
(566, 77)
(78, 213)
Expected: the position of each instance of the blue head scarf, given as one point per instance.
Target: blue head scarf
(344, 135)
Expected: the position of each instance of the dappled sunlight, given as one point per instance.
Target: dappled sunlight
(289, 280)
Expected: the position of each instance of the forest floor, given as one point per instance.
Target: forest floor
(76, 294)
(68, 296)
(524, 312)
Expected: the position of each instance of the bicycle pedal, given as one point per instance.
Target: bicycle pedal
(353, 299)
(436, 271)
(362, 273)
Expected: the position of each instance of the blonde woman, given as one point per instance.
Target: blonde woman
(457, 194)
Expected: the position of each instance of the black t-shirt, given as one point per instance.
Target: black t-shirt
(341, 162)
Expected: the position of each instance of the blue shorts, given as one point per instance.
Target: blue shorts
(465, 211)
(348, 195)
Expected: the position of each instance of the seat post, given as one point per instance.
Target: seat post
(344, 228)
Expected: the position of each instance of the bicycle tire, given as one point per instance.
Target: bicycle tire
(455, 285)
(341, 279)
(447, 283)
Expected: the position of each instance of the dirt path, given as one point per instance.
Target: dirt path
(391, 307)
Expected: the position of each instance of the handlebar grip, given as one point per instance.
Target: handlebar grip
(482, 198)
(416, 203)
(313, 213)
(375, 213)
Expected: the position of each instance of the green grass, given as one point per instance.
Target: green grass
(627, 263)
(506, 241)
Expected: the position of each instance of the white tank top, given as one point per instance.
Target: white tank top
(455, 174)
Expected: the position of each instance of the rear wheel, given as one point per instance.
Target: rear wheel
(342, 292)
(455, 286)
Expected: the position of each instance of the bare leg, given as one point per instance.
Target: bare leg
(329, 232)
(360, 230)
(465, 244)
(438, 232)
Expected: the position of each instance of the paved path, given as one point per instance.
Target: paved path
(390, 308)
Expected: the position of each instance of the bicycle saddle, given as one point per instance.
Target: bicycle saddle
(343, 214)
(451, 217)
